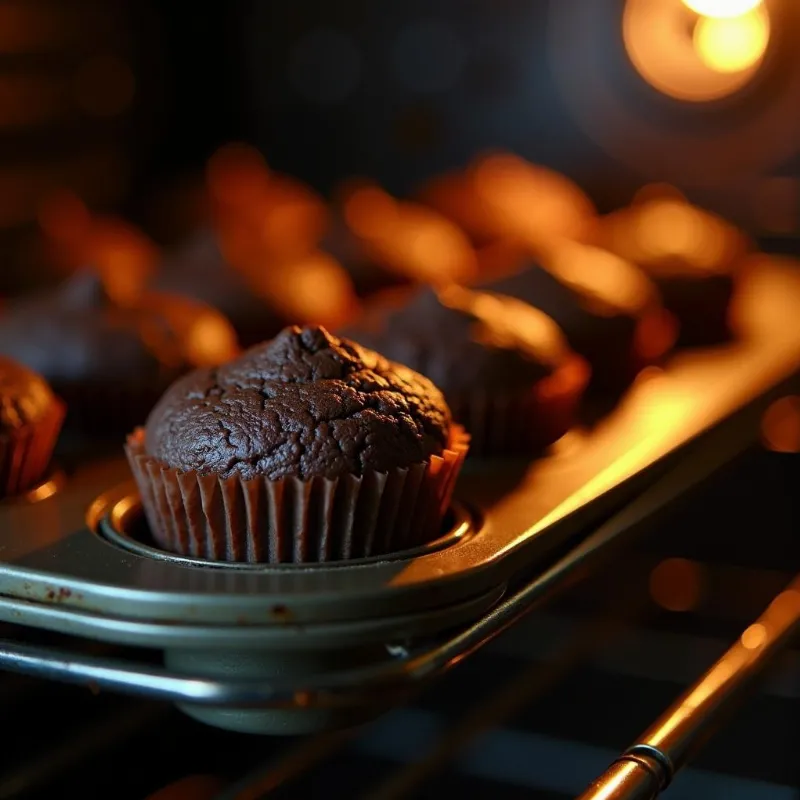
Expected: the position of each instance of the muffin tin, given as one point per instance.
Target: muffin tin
(291, 648)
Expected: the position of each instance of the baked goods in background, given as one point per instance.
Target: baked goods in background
(110, 361)
(30, 420)
(504, 367)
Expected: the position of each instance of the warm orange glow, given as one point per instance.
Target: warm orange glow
(780, 425)
(454, 195)
(754, 637)
(676, 584)
(294, 219)
(500, 258)
(314, 288)
(531, 203)
(786, 606)
(211, 340)
(603, 278)
(509, 321)
(205, 336)
(44, 490)
(690, 58)
(732, 44)
(669, 229)
(124, 255)
(261, 216)
(409, 238)
(370, 212)
(722, 8)
(430, 248)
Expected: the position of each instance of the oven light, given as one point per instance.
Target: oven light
(697, 57)
(722, 9)
(732, 44)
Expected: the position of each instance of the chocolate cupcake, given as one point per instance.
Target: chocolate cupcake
(30, 419)
(111, 362)
(307, 448)
(200, 270)
(504, 367)
(695, 259)
(609, 311)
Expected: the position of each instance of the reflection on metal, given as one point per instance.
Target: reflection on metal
(665, 747)
(509, 700)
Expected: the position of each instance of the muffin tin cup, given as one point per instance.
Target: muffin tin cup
(523, 422)
(291, 520)
(25, 453)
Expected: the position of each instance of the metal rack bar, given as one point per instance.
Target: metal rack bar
(367, 684)
(499, 706)
(645, 769)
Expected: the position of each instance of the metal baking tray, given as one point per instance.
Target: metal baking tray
(289, 648)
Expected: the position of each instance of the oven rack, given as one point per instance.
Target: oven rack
(641, 772)
(286, 766)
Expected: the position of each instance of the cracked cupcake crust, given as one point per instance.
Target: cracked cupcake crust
(306, 404)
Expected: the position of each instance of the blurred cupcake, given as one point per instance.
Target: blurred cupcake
(504, 367)
(609, 311)
(109, 361)
(408, 240)
(200, 270)
(368, 275)
(503, 197)
(261, 215)
(307, 448)
(695, 258)
(30, 419)
(260, 299)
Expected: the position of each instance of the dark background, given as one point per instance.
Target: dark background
(400, 90)
(394, 90)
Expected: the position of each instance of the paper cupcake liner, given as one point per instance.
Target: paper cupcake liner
(291, 520)
(104, 408)
(25, 453)
(522, 422)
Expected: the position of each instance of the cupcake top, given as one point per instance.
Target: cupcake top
(78, 334)
(25, 397)
(463, 340)
(306, 404)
